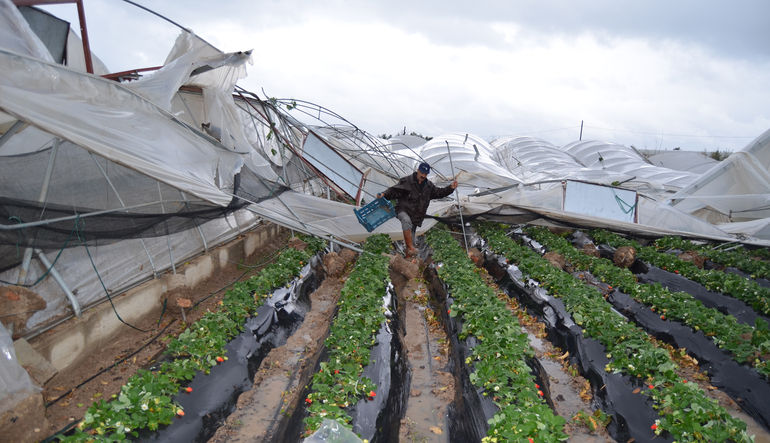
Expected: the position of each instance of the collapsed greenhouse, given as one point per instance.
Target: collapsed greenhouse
(118, 189)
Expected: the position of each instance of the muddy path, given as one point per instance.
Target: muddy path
(263, 413)
(272, 410)
(431, 384)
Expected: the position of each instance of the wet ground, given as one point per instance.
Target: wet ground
(432, 387)
(272, 409)
(69, 394)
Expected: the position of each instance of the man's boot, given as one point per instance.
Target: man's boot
(410, 249)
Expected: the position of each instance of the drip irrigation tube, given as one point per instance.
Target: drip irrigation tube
(112, 365)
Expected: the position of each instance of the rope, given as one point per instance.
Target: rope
(162, 331)
(109, 297)
(622, 204)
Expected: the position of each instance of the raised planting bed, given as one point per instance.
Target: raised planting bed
(747, 290)
(746, 260)
(503, 398)
(633, 358)
(359, 382)
(683, 321)
(152, 398)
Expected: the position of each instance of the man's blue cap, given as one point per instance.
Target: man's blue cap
(424, 168)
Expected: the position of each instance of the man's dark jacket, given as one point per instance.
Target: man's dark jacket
(413, 198)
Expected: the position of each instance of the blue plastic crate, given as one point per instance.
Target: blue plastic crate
(375, 213)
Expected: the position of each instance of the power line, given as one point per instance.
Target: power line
(671, 135)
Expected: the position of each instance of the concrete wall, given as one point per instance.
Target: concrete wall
(70, 342)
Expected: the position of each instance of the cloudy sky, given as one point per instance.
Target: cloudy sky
(654, 74)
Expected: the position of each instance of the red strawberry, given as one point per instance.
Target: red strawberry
(188, 389)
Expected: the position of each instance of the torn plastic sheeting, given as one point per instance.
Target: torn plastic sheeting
(379, 419)
(631, 413)
(214, 395)
(103, 116)
(15, 383)
(470, 411)
(744, 384)
(332, 431)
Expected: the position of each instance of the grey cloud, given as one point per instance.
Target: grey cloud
(732, 29)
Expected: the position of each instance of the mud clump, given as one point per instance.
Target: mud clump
(624, 256)
(17, 305)
(693, 257)
(555, 259)
(408, 268)
(590, 249)
(297, 243)
(476, 257)
(348, 255)
(333, 264)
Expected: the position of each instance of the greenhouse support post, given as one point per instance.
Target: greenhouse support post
(457, 194)
(56, 276)
(22, 279)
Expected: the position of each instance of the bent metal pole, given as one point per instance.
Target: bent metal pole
(457, 194)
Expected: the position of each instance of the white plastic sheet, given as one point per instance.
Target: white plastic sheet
(736, 189)
(15, 383)
(111, 121)
(626, 160)
(17, 36)
(466, 153)
(535, 160)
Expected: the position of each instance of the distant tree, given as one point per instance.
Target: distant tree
(425, 137)
(415, 134)
(718, 155)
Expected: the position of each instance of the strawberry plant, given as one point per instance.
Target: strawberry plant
(749, 291)
(146, 400)
(740, 258)
(685, 411)
(747, 344)
(338, 384)
(499, 361)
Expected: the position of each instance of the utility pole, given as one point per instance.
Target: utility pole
(581, 130)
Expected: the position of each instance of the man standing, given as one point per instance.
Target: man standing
(413, 194)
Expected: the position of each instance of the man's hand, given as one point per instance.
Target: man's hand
(454, 184)
(379, 195)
